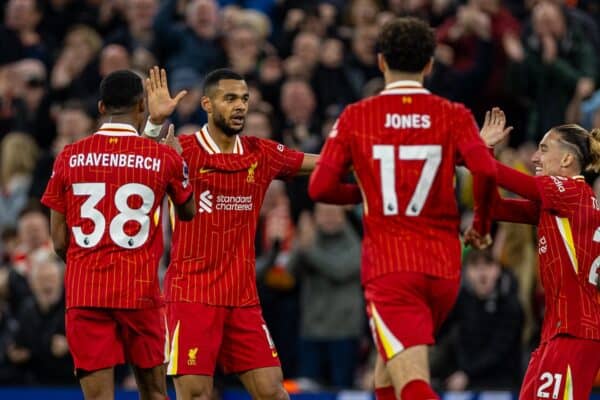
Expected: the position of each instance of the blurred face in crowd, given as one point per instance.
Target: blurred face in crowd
(21, 15)
(227, 105)
(113, 58)
(363, 12)
(488, 6)
(482, 276)
(32, 81)
(330, 219)
(242, 42)
(73, 124)
(550, 155)
(298, 101)
(257, 124)
(46, 282)
(33, 230)
(363, 44)
(548, 19)
(140, 13)
(307, 47)
(332, 54)
(203, 16)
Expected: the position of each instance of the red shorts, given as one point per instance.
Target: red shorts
(562, 368)
(202, 336)
(406, 309)
(102, 337)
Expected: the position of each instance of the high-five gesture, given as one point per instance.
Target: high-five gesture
(493, 130)
(160, 103)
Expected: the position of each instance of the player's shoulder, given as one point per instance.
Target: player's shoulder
(562, 183)
(253, 143)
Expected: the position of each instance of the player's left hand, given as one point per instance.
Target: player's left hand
(475, 240)
(160, 103)
(171, 141)
(494, 128)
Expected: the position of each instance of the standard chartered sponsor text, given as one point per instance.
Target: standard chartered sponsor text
(234, 203)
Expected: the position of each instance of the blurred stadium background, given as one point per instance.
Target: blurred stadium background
(304, 61)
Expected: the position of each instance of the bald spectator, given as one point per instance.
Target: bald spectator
(298, 104)
(243, 47)
(307, 47)
(193, 44)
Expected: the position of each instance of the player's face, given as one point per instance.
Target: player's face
(230, 105)
(549, 155)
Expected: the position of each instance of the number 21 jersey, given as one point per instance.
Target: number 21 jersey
(403, 145)
(110, 187)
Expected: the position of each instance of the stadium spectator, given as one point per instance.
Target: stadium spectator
(10, 374)
(18, 155)
(193, 44)
(243, 48)
(258, 124)
(137, 35)
(488, 318)
(326, 259)
(40, 340)
(559, 63)
(23, 17)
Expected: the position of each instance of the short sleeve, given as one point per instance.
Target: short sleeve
(283, 161)
(559, 194)
(178, 185)
(336, 153)
(54, 195)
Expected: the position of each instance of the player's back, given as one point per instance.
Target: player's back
(113, 183)
(569, 250)
(405, 144)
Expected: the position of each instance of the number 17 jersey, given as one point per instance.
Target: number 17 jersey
(403, 145)
(110, 186)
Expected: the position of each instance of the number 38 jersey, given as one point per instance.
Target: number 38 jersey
(403, 145)
(110, 187)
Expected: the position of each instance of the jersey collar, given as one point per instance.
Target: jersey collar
(114, 129)
(405, 87)
(578, 177)
(208, 144)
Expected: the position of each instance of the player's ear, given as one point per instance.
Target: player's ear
(101, 107)
(428, 67)
(381, 63)
(567, 160)
(141, 106)
(206, 104)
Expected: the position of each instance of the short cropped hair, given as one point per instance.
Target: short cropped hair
(121, 90)
(407, 44)
(212, 79)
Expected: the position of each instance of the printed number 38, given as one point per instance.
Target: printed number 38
(96, 192)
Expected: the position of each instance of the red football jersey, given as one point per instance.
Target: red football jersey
(213, 256)
(404, 145)
(569, 251)
(110, 187)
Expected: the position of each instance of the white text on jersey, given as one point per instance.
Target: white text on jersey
(114, 160)
(400, 121)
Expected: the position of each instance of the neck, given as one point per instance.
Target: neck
(393, 76)
(225, 143)
(121, 119)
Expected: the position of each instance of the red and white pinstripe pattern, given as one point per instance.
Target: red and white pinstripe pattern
(426, 243)
(213, 256)
(568, 223)
(107, 275)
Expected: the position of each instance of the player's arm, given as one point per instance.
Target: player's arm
(160, 103)
(334, 162)
(59, 233)
(309, 163)
(179, 188)
(519, 211)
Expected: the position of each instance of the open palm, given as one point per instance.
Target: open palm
(493, 130)
(160, 103)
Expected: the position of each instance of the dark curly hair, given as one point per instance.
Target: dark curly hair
(407, 44)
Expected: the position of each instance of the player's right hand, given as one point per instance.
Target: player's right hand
(160, 103)
(494, 128)
(171, 141)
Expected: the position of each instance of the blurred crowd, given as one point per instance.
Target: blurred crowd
(304, 60)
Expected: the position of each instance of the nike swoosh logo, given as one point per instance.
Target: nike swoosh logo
(205, 170)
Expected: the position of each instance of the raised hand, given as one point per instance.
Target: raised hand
(494, 128)
(160, 103)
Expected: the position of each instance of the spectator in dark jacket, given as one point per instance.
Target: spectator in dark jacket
(489, 321)
(40, 341)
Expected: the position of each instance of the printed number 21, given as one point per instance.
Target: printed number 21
(549, 380)
(432, 154)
